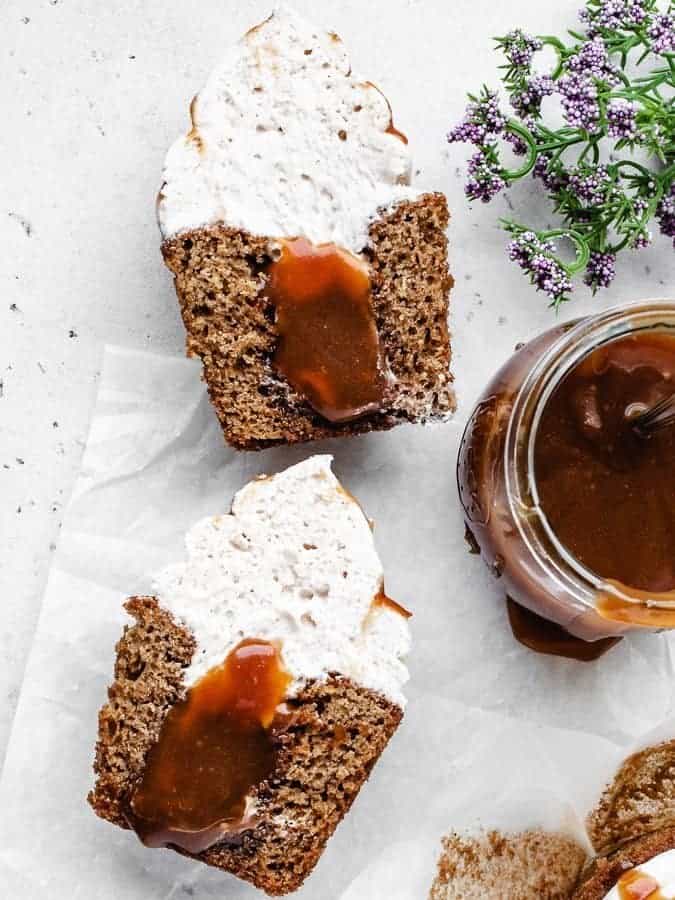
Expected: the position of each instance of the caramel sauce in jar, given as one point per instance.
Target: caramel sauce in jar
(213, 748)
(607, 492)
(571, 509)
(636, 885)
(328, 348)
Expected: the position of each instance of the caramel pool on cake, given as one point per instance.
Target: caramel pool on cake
(312, 278)
(570, 502)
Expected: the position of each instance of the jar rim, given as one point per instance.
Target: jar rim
(583, 337)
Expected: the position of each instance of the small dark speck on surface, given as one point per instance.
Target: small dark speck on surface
(52, 547)
(458, 172)
(467, 277)
(25, 19)
(131, 56)
(188, 890)
(18, 510)
(501, 320)
(55, 424)
(5, 466)
(20, 461)
(24, 223)
(519, 346)
(14, 308)
(2, 388)
(648, 270)
(72, 333)
(41, 368)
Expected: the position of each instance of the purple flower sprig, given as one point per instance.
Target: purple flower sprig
(593, 166)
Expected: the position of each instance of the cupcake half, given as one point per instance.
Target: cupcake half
(312, 278)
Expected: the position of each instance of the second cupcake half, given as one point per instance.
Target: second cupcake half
(312, 278)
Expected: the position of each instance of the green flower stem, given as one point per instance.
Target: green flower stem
(549, 41)
(582, 248)
(604, 202)
(526, 135)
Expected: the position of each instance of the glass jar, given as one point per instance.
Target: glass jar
(553, 598)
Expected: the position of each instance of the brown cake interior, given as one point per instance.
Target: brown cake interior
(328, 742)
(604, 871)
(640, 800)
(530, 865)
(219, 276)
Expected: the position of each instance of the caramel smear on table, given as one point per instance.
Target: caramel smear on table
(329, 348)
(544, 636)
(213, 748)
(635, 885)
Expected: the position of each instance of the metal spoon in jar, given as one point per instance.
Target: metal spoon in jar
(659, 416)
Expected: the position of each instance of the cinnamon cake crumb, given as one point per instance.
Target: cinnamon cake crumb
(530, 865)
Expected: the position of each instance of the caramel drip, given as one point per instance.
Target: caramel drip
(636, 885)
(328, 348)
(213, 748)
(621, 603)
(543, 636)
(382, 600)
(193, 134)
(391, 128)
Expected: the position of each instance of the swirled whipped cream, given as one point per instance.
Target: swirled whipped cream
(662, 869)
(294, 562)
(286, 141)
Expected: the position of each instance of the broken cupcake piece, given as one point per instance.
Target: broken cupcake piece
(312, 278)
(631, 830)
(259, 684)
(528, 865)
(643, 869)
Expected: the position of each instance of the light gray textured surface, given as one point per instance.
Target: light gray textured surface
(92, 94)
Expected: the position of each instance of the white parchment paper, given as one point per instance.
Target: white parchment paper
(494, 734)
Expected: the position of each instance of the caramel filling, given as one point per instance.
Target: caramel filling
(635, 885)
(213, 748)
(608, 491)
(328, 348)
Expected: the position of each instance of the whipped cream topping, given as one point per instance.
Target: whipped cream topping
(285, 142)
(294, 562)
(662, 869)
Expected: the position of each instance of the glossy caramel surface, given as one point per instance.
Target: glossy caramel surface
(329, 348)
(635, 885)
(607, 492)
(213, 748)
